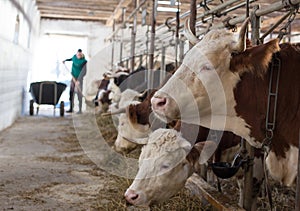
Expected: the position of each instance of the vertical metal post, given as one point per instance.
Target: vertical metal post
(177, 35)
(193, 16)
(181, 51)
(147, 48)
(162, 74)
(113, 46)
(152, 40)
(248, 174)
(141, 60)
(297, 203)
(127, 63)
(133, 35)
(289, 33)
(255, 26)
(248, 179)
(122, 35)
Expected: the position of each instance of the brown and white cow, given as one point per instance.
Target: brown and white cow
(227, 86)
(169, 159)
(136, 124)
(164, 165)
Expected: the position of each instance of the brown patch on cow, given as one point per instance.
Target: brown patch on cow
(105, 97)
(193, 156)
(132, 114)
(255, 59)
(251, 95)
(139, 114)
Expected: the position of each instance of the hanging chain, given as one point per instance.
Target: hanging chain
(272, 101)
(284, 30)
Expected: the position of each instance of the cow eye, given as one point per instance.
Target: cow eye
(205, 68)
(165, 166)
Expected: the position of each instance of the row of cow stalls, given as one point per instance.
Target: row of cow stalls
(166, 43)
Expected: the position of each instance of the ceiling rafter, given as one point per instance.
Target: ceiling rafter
(106, 11)
(118, 11)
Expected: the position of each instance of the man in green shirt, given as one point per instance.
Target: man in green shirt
(78, 72)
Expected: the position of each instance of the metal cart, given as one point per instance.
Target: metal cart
(46, 92)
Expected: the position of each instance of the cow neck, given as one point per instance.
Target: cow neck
(254, 110)
(251, 94)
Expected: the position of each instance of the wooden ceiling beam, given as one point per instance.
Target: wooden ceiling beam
(78, 10)
(73, 17)
(75, 13)
(76, 6)
(118, 11)
(95, 2)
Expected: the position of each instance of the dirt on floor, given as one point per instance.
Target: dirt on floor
(45, 164)
(44, 168)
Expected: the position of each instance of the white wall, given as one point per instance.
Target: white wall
(16, 56)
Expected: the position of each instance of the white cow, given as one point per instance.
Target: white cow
(165, 163)
(168, 159)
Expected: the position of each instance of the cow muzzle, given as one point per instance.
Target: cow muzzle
(164, 107)
(159, 103)
(134, 198)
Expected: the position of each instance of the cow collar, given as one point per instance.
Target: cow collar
(271, 117)
(272, 100)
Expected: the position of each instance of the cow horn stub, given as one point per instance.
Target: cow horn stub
(241, 44)
(189, 34)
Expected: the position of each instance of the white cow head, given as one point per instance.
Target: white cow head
(127, 133)
(165, 163)
(202, 88)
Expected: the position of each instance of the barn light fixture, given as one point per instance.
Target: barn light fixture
(167, 9)
(171, 3)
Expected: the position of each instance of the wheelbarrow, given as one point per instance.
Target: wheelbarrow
(47, 93)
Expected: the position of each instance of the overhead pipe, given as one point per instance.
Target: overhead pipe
(260, 12)
(224, 12)
(202, 16)
(264, 11)
(182, 16)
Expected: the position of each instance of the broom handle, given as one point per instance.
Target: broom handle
(74, 80)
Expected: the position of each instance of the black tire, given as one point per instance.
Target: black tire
(31, 108)
(62, 108)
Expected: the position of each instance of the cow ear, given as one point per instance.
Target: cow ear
(132, 113)
(193, 156)
(255, 59)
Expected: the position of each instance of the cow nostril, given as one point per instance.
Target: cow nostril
(131, 196)
(134, 197)
(162, 102)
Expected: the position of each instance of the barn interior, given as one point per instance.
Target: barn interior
(37, 35)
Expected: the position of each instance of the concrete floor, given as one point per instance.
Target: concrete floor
(42, 166)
